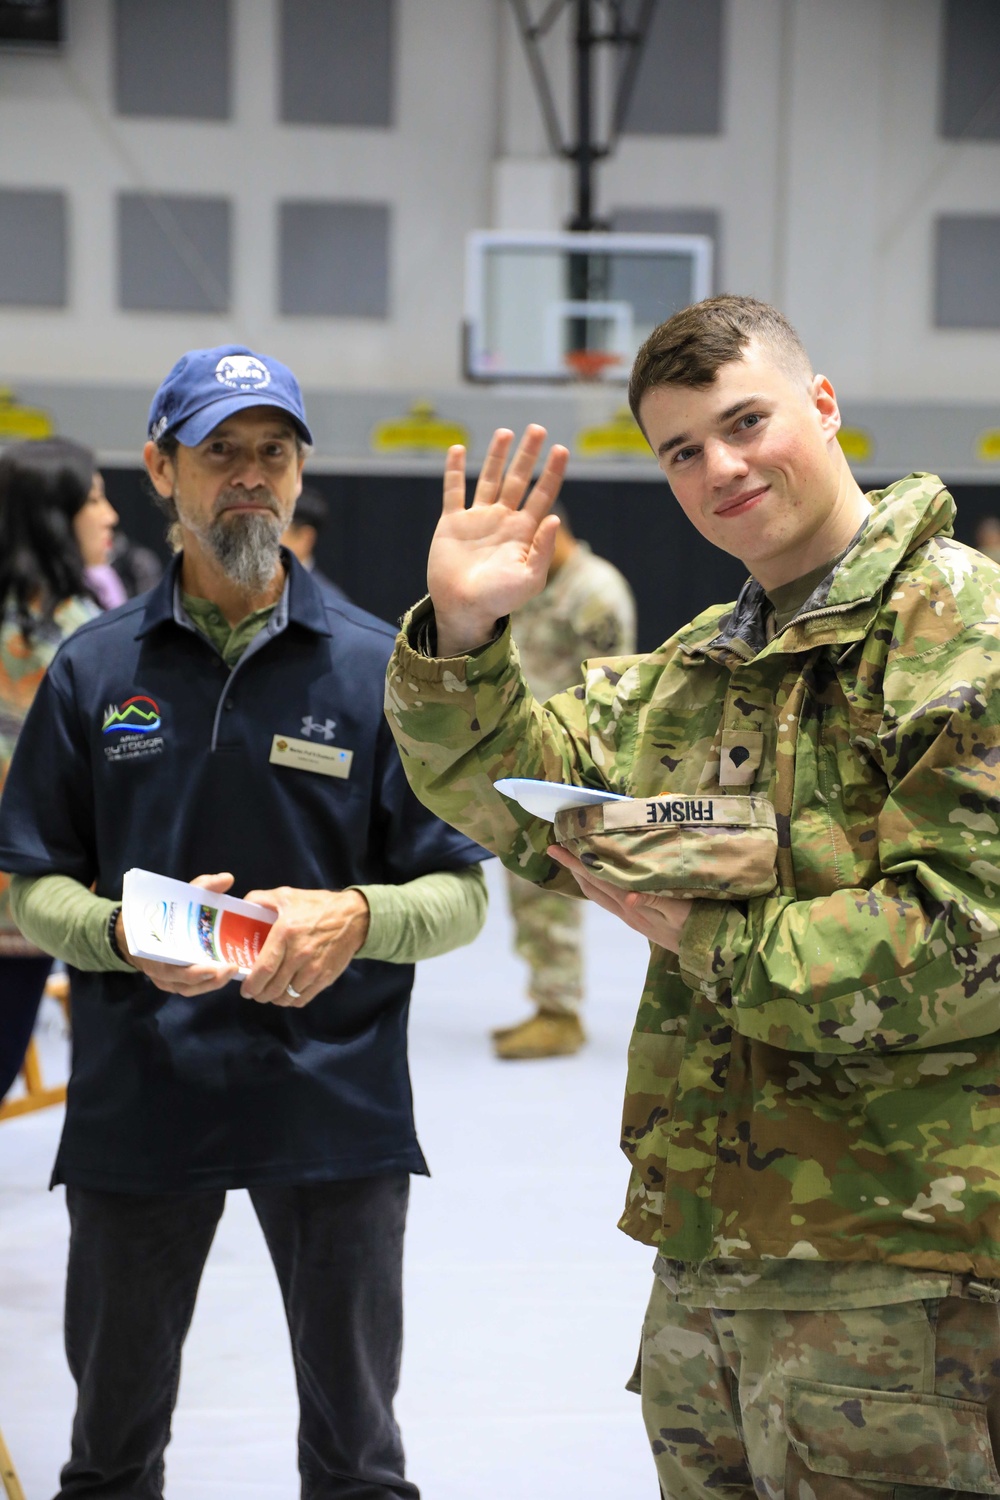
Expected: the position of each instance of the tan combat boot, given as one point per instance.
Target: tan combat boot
(547, 1034)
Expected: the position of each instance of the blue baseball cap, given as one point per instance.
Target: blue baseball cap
(206, 386)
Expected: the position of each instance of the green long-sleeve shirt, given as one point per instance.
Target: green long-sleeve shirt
(418, 919)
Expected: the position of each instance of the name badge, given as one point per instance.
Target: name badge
(303, 755)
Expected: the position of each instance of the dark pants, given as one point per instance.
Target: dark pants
(135, 1261)
(22, 983)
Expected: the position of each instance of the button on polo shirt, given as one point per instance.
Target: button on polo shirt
(138, 750)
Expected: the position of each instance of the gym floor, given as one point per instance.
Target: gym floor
(523, 1301)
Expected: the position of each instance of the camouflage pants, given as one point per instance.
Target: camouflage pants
(900, 1402)
(547, 936)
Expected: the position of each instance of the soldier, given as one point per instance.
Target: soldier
(585, 609)
(811, 1107)
(302, 533)
(988, 537)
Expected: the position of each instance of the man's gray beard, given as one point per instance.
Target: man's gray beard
(246, 547)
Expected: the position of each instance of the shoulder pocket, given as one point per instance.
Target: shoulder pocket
(891, 1437)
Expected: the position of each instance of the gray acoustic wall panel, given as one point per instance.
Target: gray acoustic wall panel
(337, 62)
(173, 253)
(967, 271)
(678, 87)
(334, 259)
(970, 70)
(172, 58)
(33, 250)
(674, 221)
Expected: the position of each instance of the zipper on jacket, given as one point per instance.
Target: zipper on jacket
(818, 614)
(738, 647)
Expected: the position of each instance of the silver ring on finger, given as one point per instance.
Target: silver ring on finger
(292, 992)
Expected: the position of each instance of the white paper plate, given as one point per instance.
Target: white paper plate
(543, 799)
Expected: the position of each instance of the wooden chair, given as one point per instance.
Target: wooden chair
(36, 1095)
(11, 1483)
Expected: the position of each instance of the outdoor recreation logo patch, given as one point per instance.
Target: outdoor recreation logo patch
(139, 715)
(132, 728)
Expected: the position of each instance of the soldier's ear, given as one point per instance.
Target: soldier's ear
(824, 399)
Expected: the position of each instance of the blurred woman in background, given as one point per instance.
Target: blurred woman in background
(55, 523)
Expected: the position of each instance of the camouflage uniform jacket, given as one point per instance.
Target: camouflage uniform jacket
(818, 1075)
(585, 609)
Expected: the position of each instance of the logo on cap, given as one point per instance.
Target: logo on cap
(242, 372)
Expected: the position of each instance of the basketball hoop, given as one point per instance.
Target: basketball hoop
(590, 364)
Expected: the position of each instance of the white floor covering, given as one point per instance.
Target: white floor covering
(523, 1300)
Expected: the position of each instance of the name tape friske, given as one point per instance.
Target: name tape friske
(681, 810)
(708, 812)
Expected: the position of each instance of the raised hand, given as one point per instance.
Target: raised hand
(488, 560)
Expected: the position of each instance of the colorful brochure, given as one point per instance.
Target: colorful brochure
(178, 923)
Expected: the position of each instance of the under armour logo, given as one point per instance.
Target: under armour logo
(326, 729)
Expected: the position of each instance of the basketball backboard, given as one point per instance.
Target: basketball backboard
(563, 307)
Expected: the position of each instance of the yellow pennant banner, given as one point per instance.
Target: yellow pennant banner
(617, 438)
(19, 423)
(420, 431)
(857, 444)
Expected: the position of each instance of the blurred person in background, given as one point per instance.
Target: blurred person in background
(302, 533)
(585, 611)
(55, 526)
(138, 567)
(988, 537)
(106, 585)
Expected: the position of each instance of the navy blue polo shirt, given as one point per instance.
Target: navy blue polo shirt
(143, 748)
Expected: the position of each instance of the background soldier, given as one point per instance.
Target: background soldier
(300, 536)
(810, 1111)
(988, 537)
(585, 609)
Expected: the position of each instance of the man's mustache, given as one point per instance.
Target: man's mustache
(258, 496)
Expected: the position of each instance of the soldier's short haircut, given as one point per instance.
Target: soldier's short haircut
(690, 348)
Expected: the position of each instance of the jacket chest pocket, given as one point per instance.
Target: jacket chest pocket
(839, 791)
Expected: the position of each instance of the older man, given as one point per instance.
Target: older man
(230, 722)
(810, 1111)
